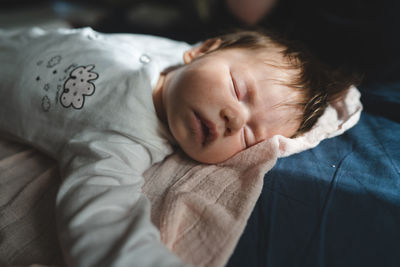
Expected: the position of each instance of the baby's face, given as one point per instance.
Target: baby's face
(226, 101)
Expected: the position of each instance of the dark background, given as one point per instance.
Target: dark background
(361, 34)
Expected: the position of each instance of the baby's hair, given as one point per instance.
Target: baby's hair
(318, 83)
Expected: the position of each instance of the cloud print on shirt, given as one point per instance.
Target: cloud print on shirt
(77, 86)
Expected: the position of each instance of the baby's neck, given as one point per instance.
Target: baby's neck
(157, 99)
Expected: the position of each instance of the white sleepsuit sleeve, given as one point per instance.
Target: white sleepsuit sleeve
(103, 146)
(103, 216)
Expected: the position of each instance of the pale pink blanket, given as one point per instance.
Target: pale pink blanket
(201, 210)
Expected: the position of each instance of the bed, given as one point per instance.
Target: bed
(337, 204)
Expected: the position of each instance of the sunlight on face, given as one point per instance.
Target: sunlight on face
(225, 101)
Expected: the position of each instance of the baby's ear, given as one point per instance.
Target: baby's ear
(204, 48)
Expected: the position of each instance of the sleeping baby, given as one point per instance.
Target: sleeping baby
(109, 106)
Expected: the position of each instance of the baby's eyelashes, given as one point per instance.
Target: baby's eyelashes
(239, 87)
(245, 137)
(233, 88)
(248, 137)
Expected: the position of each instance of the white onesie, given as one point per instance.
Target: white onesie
(85, 99)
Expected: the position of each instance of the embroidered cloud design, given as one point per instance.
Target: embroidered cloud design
(77, 86)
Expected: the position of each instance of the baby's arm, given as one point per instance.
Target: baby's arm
(103, 216)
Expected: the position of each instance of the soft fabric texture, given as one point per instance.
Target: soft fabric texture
(337, 204)
(337, 118)
(201, 210)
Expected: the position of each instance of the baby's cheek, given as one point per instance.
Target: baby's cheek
(227, 148)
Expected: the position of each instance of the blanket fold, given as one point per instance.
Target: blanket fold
(204, 209)
(201, 210)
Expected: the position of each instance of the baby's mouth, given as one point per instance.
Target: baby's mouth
(209, 132)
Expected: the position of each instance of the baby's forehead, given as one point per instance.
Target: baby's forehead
(272, 57)
(273, 67)
(275, 57)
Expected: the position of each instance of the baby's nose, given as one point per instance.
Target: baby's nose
(234, 120)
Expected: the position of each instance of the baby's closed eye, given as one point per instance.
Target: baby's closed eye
(239, 87)
(233, 88)
(248, 136)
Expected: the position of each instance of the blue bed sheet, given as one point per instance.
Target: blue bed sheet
(337, 204)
